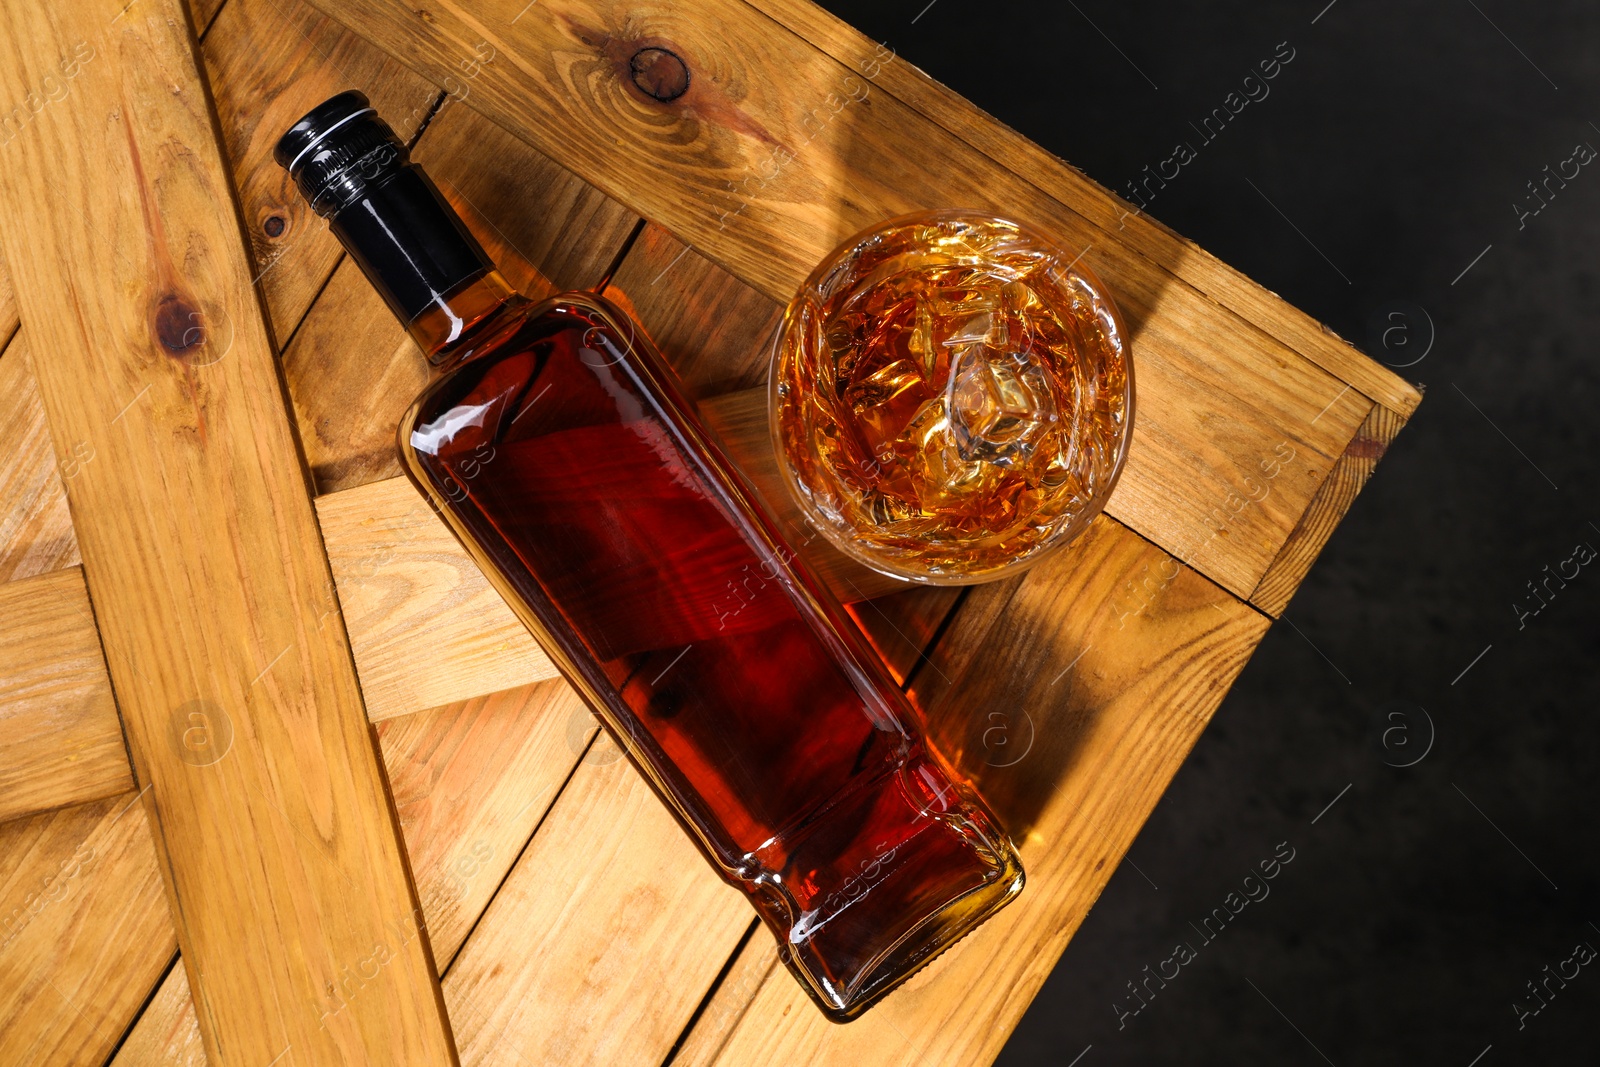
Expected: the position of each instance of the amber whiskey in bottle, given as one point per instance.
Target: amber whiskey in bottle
(556, 445)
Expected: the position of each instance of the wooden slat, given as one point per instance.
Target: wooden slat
(748, 971)
(1059, 179)
(35, 528)
(545, 229)
(1116, 690)
(202, 551)
(60, 741)
(471, 781)
(352, 371)
(8, 304)
(262, 46)
(84, 933)
(1215, 394)
(425, 626)
(603, 939)
(203, 13)
(1327, 510)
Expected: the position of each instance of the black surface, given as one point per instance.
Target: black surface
(1398, 140)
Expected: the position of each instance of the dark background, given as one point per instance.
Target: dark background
(1421, 903)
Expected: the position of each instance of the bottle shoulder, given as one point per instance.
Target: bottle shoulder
(516, 343)
(526, 322)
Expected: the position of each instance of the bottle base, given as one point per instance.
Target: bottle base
(883, 882)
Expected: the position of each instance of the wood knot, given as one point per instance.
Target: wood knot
(659, 73)
(179, 327)
(273, 226)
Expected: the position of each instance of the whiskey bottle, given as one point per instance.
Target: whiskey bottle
(556, 445)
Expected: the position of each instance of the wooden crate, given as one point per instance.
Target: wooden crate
(476, 873)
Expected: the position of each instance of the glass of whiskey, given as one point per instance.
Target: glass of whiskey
(951, 397)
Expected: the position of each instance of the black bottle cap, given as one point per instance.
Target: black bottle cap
(354, 171)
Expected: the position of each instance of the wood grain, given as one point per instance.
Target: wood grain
(1059, 179)
(426, 628)
(748, 971)
(60, 741)
(8, 304)
(268, 61)
(84, 933)
(35, 528)
(545, 229)
(201, 549)
(203, 14)
(1328, 509)
(604, 937)
(901, 625)
(777, 152)
(352, 372)
(1117, 691)
(471, 781)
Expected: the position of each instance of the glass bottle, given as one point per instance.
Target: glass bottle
(557, 446)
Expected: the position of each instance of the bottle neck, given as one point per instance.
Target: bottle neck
(417, 253)
(457, 315)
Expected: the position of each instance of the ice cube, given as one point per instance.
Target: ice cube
(999, 405)
(882, 386)
(977, 328)
(920, 342)
(939, 475)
